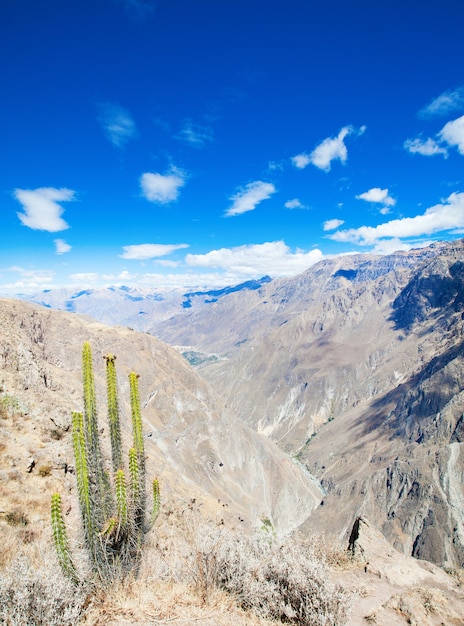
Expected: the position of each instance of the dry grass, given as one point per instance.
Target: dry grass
(192, 573)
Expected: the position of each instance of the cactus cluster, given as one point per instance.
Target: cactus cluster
(113, 509)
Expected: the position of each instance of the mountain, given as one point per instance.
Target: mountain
(355, 367)
(355, 370)
(199, 451)
(134, 307)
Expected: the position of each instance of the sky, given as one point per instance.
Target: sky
(176, 144)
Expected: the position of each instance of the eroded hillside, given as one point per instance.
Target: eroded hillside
(198, 450)
(356, 367)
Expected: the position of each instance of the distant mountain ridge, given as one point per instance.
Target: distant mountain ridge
(135, 307)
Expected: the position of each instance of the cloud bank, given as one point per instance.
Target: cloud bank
(274, 258)
(447, 216)
(41, 208)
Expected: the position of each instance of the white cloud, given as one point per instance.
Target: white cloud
(294, 204)
(447, 102)
(162, 188)
(248, 197)
(85, 277)
(61, 246)
(145, 251)
(333, 148)
(274, 258)
(195, 134)
(117, 123)
(377, 195)
(29, 281)
(41, 208)
(449, 215)
(332, 224)
(301, 160)
(453, 133)
(388, 246)
(426, 147)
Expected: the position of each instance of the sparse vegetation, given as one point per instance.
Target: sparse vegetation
(16, 518)
(9, 405)
(114, 513)
(38, 597)
(285, 581)
(45, 470)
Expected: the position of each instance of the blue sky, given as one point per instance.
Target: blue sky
(171, 143)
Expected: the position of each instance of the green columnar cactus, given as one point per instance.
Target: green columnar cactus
(82, 474)
(137, 419)
(121, 498)
(100, 491)
(113, 412)
(114, 521)
(156, 502)
(60, 538)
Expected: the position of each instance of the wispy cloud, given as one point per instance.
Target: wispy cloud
(138, 9)
(195, 135)
(41, 208)
(84, 278)
(117, 123)
(446, 103)
(426, 147)
(29, 281)
(275, 166)
(453, 133)
(377, 196)
(248, 197)
(146, 251)
(330, 149)
(274, 258)
(447, 216)
(295, 204)
(162, 188)
(61, 246)
(332, 224)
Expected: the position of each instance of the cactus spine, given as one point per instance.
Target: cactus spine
(114, 519)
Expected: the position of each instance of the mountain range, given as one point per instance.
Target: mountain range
(353, 370)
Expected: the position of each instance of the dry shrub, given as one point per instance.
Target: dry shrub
(283, 581)
(16, 518)
(38, 597)
(45, 470)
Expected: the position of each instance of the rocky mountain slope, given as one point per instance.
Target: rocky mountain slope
(199, 451)
(356, 368)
